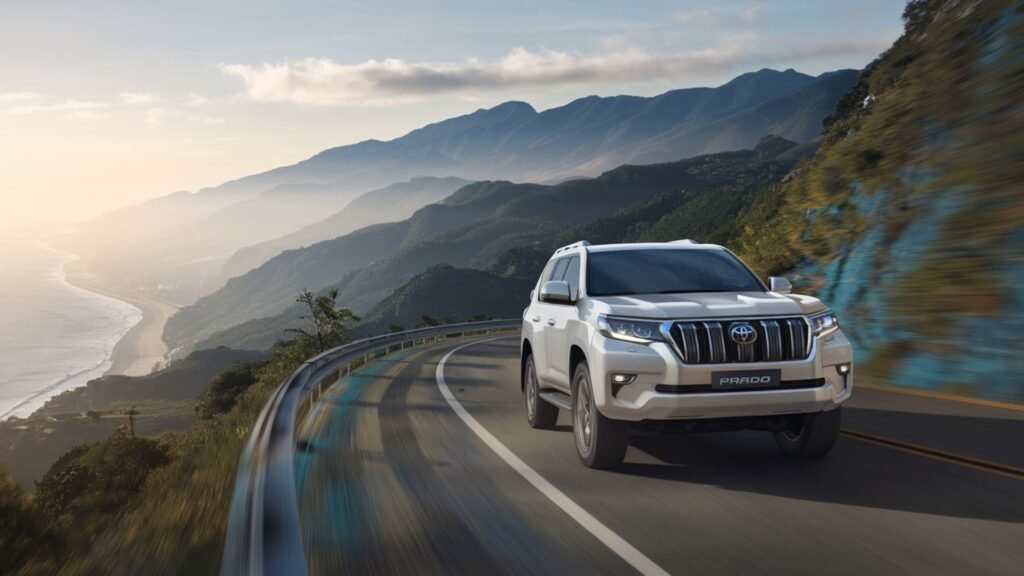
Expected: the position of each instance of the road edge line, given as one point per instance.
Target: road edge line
(613, 541)
(963, 460)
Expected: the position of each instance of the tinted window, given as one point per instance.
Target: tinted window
(667, 272)
(556, 274)
(572, 276)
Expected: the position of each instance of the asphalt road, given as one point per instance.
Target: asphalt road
(393, 481)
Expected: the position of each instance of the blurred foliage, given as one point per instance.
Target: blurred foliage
(21, 532)
(94, 484)
(145, 505)
(930, 137)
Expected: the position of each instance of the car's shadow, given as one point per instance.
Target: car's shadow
(855, 473)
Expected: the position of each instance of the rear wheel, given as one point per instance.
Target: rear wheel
(600, 442)
(812, 436)
(539, 413)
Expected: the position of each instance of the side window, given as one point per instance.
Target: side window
(556, 274)
(572, 276)
(546, 274)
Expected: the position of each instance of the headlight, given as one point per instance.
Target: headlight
(824, 323)
(639, 331)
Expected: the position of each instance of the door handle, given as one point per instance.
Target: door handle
(551, 321)
(535, 319)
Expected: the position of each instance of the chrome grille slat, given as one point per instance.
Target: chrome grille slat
(708, 342)
(795, 337)
(691, 335)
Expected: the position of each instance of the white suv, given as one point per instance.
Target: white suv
(679, 336)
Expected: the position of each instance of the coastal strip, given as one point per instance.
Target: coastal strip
(142, 348)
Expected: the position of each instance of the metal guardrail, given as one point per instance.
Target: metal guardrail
(264, 534)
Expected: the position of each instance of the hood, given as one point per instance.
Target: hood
(705, 305)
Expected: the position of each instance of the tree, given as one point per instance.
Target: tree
(94, 415)
(223, 391)
(329, 329)
(131, 413)
(427, 321)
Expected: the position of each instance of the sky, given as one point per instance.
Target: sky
(105, 103)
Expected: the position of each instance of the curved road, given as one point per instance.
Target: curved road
(393, 480)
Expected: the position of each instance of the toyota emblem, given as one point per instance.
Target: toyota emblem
(742, 333)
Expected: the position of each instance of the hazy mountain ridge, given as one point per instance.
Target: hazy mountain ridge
(506, 217)
(388, 204)
(179, 244)
(449, 295)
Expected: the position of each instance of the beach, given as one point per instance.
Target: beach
(141, 349)
(62, 326)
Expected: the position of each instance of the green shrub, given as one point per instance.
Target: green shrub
(224, 389)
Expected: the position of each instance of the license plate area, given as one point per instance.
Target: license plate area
(746, 379)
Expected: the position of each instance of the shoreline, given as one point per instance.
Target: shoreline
(141, 350)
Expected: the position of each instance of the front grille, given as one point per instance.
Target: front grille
(709, 342)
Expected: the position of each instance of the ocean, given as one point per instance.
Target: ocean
(53, 336)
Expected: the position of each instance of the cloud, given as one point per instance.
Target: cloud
(321, 81)
(155, 116)
(704, 16)
(132, 98)
(708, 16)
(750, 14)
(213, 120)
(13, 97)
(194, 99)
(65, 106)
(88, 115)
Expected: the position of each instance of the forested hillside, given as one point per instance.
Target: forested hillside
(474, 228)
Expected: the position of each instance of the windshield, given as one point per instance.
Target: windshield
(661, 271)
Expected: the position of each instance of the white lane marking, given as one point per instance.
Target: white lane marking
(616, 543)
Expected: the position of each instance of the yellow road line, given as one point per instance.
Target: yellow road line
(981, 464)
(943, 396)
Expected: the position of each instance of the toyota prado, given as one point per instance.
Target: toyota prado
(679, 336)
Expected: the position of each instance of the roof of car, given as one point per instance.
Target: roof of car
(684, 245)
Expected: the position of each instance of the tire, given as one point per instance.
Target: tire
(600, 442)
(813, 436)
(539, 413)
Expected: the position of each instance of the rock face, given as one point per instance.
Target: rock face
(909, 221)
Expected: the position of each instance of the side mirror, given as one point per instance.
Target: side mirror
(779, 284)
(556, 291)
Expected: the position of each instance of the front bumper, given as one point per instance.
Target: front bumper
(657, 364)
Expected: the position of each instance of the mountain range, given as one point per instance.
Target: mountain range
(185, 245)
(495, 226)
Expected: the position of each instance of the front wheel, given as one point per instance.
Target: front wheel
(600, 442)
(539, 413)
(812, 436)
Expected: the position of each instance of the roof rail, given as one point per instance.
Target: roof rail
(684, 241)
(573, 245)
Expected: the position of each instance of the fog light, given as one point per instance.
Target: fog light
(623, 378)
(843, 369)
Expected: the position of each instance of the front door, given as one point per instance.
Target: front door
(557, 324)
